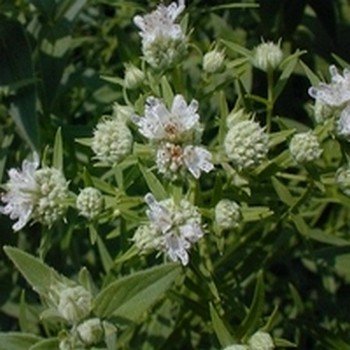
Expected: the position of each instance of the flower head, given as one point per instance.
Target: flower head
(227, 214)
(163, 41)
(112, 141)
(342, 178)
(304, 147)
(133, 77)
(177, 226)
(160, 124)
(214, 61)
(267, 56)
(261, 341)
(90, 331)
(337, 92)
(75, 303)
(246, 144)
(37, 194)
(20, 196)
(89, 202)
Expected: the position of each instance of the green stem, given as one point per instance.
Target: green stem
(270, 99)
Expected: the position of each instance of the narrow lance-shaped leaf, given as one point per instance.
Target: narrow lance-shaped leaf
(16, 66)
(17, 341)
(224, 336)
(130, 296)
(251, 321)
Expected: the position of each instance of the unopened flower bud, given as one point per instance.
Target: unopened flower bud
(90, 331)
(343, 124)
(134, 77)
(322, 112)
(246, 144)
(122, 113)
(52, 196)
(304, 147)
(267, 56)
(342, 178)
(227, 214)
(112, 141)
(146, 238)
(213, 61)
(74, 303)
(261, 341)
(89, 202)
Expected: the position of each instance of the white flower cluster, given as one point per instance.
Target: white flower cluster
(267, 56)
(35, 194)
(246, 144)
(334, 98)
(174, 132)
(112, 141)
(173, 228)
(304, 147)
(163, 41)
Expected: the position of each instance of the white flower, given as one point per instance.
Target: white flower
(163, 41)
(343, 123)
(335, 94)
(160, 23)
(32, 193)
(173, 157)
(178, 226)
(160, 124)
(20, 197)
(197, 159)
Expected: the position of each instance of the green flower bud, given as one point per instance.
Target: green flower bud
(267, 56)
(213, 61)
(91, 331)
(146, 238)
(342, 178)
(134, 77)
(227, 214)
(74, 304)
(122, 113)
(236, 116)
(112, 141)
(304, 147)
(51, 197)
(236, 347)
(89, 202)
(246, 144)
(261, 341)
(322, 112)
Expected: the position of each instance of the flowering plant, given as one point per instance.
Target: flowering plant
(174, 177)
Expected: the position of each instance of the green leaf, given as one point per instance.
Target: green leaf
(252, 319)
(47, 8)
(256, 213)
(167, 91)
(106, 259)
(46, 344)
(284, 343)
(288, 66)
(130, 296)
(153, 184)
(224, 336)
(16, 66)
(313, 78)
(237, 48)
(38, 275)
(282, 192)
(17, 341)
(58, 151)
(275, 138)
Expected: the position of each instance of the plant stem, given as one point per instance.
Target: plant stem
(270, 99)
